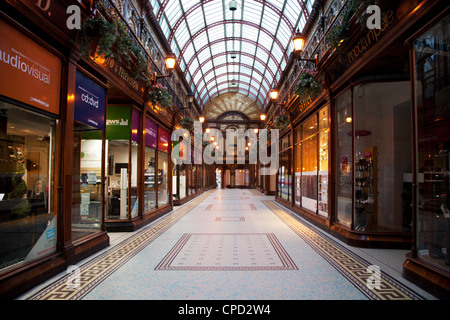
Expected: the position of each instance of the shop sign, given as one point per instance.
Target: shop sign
(135, 125)
(90, 102)
(163, 140)
(118, 122)
(121, 73)
(29, 72)
(371, 37)
(151, 134)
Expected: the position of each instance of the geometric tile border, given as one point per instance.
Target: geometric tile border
(227, 251)
(230, 219)
(231, 207)
(95, 271)
(256, 193)
(350, 265)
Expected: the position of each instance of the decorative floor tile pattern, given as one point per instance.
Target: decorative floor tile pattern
(230, 219)
(230, 207)
(97, 270)
(315, 266)
(256, 193)
(233, 251)
(353, 267)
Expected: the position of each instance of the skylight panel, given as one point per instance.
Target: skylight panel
(195, 21)
(292, 11)
(173, 12)
(260, 27)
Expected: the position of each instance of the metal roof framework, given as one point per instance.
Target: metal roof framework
(216, 46)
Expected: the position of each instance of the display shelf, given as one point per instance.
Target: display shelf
(366, 190)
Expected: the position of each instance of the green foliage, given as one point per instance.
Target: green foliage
(98, 31)
(308, 86)
(340, 32)
(187, 123)
(110, 37)
(281, 122)
(158, 94)
(21, 207)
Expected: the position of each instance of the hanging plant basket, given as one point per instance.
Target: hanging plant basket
(159, 95)
(308, 86)
(339, 33)
(187, 123)
(281, 122)
(96, 36)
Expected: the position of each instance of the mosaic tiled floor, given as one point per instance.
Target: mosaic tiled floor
(220, 249)
(228, 251)
(230, 207)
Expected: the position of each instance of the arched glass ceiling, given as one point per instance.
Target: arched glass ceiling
(220, 50)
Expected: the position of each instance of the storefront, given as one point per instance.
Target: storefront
(429, 262)
(310, 190)
(52, 113)
(30, 117)
(88, 165)
(367, 160)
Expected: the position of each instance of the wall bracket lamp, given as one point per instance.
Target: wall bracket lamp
(299, 43)
(170, 65)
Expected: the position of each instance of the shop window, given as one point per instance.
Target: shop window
(122, 145)
(151, 144)
(149, 179)
(88, 157)
(182, 173)
(284, 173)
(433, 144)
(163, 176)
(323, 163)
(382, 155)
(311, 163)
(26, 186)
(374, 156)
(87, 182)
(344, 159)
(192, 179)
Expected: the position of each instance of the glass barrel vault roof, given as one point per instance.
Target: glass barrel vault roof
(220, 50)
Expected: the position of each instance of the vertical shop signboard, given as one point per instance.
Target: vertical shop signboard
(151, 134)
(29, 73)
(118, 122)
(90, 102)
(135, 125)
(163, 140)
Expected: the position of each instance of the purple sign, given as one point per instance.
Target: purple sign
(135, 125)
(163, 140)
(151, 134)
(90, 102)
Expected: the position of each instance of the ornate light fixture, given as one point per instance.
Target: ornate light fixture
(299, 44)
(273, 94)
(170, 62)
